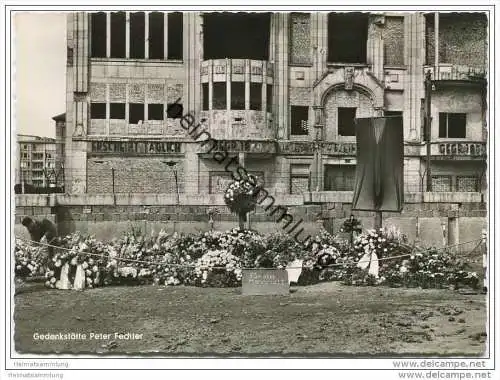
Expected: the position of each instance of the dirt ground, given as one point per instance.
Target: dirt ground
(327, 319)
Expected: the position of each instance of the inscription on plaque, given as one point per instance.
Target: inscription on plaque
(308, 148)
(265, 282)
(136, 147)
(239, 146)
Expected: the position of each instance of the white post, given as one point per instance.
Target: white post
(108, 34)
(485, 261)
(127, 34)
(436, 45)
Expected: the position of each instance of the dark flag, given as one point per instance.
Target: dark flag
(379, 169)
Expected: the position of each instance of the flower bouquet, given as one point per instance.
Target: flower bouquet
(241, 197)
(218, 268)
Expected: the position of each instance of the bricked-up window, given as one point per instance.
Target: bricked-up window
(300, 38)
(393, 36)
(219, 96)
(441, 183)
(347, 37)
(155, 112)
(299, 116)
(429, 38)
(452, 125)
(156, 35)
(236, 35)
(135, 113)
(339, 177)
(98, 110)
(237, 95)
(204, 88)
(137, 34)
(346, 122)
(118, 35)
(117, 111)
(299, 178)
(463, 39)
(255, 96)
(98, 35)
(269, 98)
(175, 33)
(467, 184)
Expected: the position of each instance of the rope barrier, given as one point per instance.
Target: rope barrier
(253, 268)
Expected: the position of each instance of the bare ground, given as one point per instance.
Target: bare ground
(326, 319)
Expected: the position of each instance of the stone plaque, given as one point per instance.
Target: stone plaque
(264, 282)
(136, 147)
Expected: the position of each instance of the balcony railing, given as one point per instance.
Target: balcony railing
(458, 148)
(456, 72)
(219, 68)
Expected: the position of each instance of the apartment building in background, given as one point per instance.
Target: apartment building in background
(35, 161)
(280, 91)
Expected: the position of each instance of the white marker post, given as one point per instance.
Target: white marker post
(485, 261)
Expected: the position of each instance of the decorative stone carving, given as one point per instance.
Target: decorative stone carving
(335, 79)
(463, 149)
(77, 186)
(155, 93)
(79, 130)
(117, 92)
(319, 115)
(238, 66)
(220, 69)
(349, 77)
(256, 68)
(136, 93)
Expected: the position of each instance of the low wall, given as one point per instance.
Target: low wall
(107, 216)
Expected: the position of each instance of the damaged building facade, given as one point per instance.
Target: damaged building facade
(280, 91)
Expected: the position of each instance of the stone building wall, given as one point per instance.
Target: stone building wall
(106, 217)
(133, 175)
